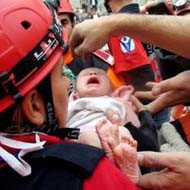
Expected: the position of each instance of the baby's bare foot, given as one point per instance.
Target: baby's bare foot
(105, 130)
(125, 156)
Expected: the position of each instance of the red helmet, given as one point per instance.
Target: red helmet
(65, 7)
(30, 47)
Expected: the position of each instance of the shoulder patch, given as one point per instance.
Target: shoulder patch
(127, 44)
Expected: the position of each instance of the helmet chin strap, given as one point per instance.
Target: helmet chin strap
(46, 90)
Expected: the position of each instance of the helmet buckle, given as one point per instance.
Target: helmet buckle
(8, 85)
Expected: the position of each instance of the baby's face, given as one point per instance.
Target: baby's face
(93, 82)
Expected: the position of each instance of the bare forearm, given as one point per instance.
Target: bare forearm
(168, 32)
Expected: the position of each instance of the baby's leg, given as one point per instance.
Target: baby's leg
(90, 138)
(125, 156)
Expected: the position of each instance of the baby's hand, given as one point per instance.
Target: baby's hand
(137, 105)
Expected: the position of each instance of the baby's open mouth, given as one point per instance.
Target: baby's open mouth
(93, 80)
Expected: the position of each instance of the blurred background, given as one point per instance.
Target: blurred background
(78, 4)
(95, 8)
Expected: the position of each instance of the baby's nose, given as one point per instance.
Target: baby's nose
(93, 73)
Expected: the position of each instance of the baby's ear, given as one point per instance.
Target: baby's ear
(73, 96)
(124, 92)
